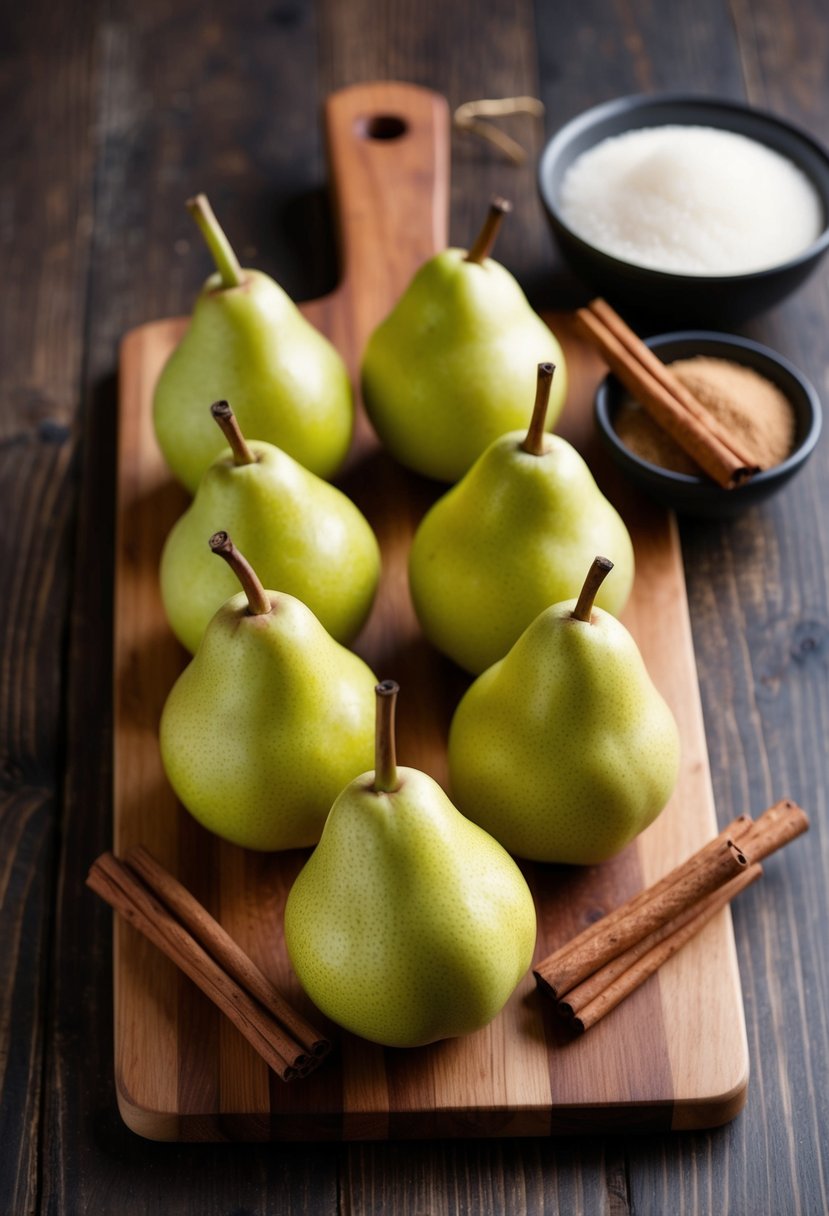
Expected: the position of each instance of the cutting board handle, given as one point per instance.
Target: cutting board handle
(388, 153)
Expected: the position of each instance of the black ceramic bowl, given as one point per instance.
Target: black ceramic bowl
(699, 299)
(699, 496)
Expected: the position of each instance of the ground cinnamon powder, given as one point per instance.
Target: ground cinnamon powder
(746, 403)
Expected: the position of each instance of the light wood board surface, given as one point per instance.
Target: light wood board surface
(675, 1054)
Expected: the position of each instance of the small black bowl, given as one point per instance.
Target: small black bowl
(700, 299)
(699, 496)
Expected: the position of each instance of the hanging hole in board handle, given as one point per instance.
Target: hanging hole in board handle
(381, 127)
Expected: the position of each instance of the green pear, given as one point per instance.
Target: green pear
(299, 533)
(408, 923)
(512, 537)
(249, 343)
(268, 721)
(450, 368)
(564, 750)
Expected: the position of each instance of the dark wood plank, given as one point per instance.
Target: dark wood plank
(185, 100)
(511, 1176)
(758, 595)
(46, 154)
(595, 51)
(464, 52)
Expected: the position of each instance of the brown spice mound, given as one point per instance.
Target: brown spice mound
(746, 403)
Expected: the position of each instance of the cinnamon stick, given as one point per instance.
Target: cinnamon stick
(590, 975)
(693, 435)
(775, 828)
(126, 893)
(709, 869)
(218, 942)
(661, 372)
(736, 831)
(625, 973)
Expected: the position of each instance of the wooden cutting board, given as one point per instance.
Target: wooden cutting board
(672, 1056)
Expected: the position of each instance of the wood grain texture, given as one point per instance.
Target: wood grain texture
(161, 99)
(765, 697)
(673, 1054)
(756, 588)
(461, 56)
(45, 235)
(182, 99)
(488, 51)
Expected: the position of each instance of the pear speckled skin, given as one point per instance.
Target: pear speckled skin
(251, 345)
(510, 539)
(267, 724)
(301, 535)
(408, 923)
(565, 750)
(453, 366)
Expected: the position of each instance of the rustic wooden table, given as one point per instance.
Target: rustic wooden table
(114, 113)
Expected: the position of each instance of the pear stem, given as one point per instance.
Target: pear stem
(534, 440)
(226, 261)
(596, 575)
(385, 753)
(258, 600)
(232, 432)
(498, 208)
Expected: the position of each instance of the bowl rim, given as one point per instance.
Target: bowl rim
(644, 101)
(690, 481)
